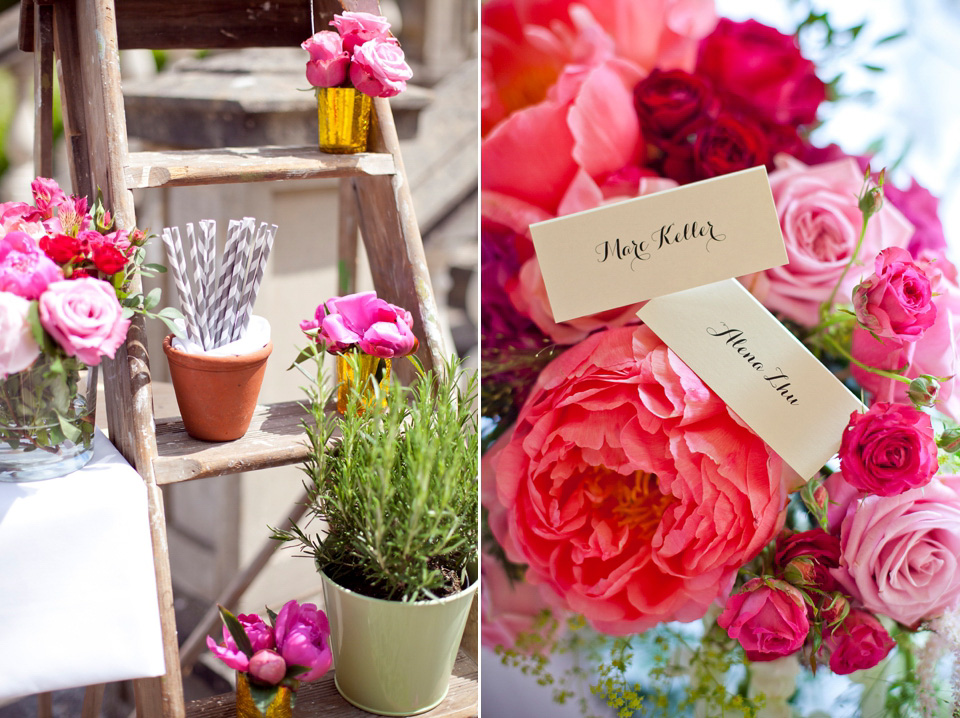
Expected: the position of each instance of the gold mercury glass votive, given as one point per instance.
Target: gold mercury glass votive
(366, 369)
(343, 117)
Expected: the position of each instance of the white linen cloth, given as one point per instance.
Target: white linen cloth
(78, 593)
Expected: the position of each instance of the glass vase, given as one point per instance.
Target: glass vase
(256, 702)
(343, 120)
(359, 372)
(47, 419)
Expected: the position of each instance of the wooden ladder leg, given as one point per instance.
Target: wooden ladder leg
(393, 243)
(92, 701)
(43, 90)
(45, 705)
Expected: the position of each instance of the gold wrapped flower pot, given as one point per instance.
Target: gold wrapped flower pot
(343, 116)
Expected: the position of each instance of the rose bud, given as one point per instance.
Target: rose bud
(836, 610)
(949, 440)
(268, 667)
(923, 390)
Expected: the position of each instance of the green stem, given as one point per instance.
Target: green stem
(873, 370)
(825, 307)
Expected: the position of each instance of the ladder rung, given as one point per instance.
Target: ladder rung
(321, 698)
(176, 168)
(275, 438)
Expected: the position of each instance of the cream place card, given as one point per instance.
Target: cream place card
(626, 252)
(758, 368)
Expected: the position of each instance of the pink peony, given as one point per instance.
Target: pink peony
(379, 69)
(328, 62)
(630, 489)
(18, 348)
(302, 634)
(821, 224)
(888, 450)
(366, 322)
(357, 28)
(259, 633)
(267, 667)
(84, 318)
(899, 554)
(860, 642)
(897, 300)
(768, 618)
(24, 269)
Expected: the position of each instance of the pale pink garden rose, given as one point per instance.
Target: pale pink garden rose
(821, 222)
(21, 217)
(328, 62)
(378, 68)
(24, 269)
(18, 348)
(630, 489)
(357, 28)
(900, 555)
(84, 318)
(768, 618)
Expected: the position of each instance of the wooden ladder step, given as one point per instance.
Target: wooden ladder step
(275, 438)
(177, 168)
(321, 698)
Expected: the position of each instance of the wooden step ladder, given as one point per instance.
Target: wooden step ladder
(86, 36)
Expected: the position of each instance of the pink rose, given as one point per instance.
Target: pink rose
(267, 667)
(816, 546)
(84, 318)
(768, 618)
(302, 634)
(378, 69)
(897, 300)
(860, 642)
(24, 269)
(821, 224)
(18, 348)
(888, 450)
(20, 217)
(357, 28)
(899, 554)
(328, 62)
(630, 489)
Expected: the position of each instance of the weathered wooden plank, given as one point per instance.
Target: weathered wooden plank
(43, 91)
(178, 168)
(321, 698)
(275, 438)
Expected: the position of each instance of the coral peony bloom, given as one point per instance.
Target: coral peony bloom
(267, 667)
(379, 68)
(888, 450)
(859, 643)
(357, 28)
(18, 348)
(899, 554)
(328, 63)
(768, 618)
(630, 489)
(84, 318)
(821, 225)
(897, 300)
(302, 634)
(24, 269)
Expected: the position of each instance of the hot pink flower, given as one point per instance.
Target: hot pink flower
(897, 300)
(378, 68)
(816, 546)
(267, 667)
(47, 195)
(328, 62)
(21, 217)
(630, 489)
(363, 320)
(888, 450)
(259, 633)
(18, 348)
(24, 269)
(821, 225)
(302, 634)
(900, 553)
(357, 28)
(768, 618)
(229, 654)
(859, 643)
(84, 318)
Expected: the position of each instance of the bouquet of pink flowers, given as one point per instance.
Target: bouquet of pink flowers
(361, 54)
(620, 492)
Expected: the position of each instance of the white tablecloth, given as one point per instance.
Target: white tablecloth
(78, 596)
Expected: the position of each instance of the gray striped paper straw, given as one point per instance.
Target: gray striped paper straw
(237, 281)
(224, 275)
(258, 262)
(198, 285)
(178, 268)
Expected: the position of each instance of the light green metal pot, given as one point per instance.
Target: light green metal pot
(394, 658)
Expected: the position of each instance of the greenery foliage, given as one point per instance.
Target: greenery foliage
(395, 481)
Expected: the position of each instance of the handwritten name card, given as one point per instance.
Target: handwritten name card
(626, 252)
(758, 368)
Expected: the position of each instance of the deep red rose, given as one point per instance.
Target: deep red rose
(764, 69)
(62, 248)
(860, 642)
(673, 103)
(729, 145)
(108, 259)
(818, 546)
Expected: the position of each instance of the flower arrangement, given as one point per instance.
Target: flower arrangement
(620, 494)
(361, 54)
(65, 303)
(275, 657)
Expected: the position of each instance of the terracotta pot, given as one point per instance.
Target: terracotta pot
(216, 395)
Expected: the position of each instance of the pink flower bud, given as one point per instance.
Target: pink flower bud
(268, 667)
(923, 390)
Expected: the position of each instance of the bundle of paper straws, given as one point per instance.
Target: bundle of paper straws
(218, 303)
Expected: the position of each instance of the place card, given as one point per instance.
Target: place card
(629, 251)
(761, 370)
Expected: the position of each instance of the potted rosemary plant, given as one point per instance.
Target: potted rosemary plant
(398, 496)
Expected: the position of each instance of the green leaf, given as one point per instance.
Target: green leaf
(272, 615)
(158, 268)
(294, 670)
(308, 353)
(152, 299)
(236, 631)
(33, 318)
(127, 313)
(70, 430)
(176, 330)
(891, 38)
(873, 68)
(263, 696)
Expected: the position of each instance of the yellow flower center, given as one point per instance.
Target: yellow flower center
(635, 501)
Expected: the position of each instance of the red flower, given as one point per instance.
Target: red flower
(729, 145)
(673, 103)
(822, 549)
(62, 248)
(860, 642)
(108, 259)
